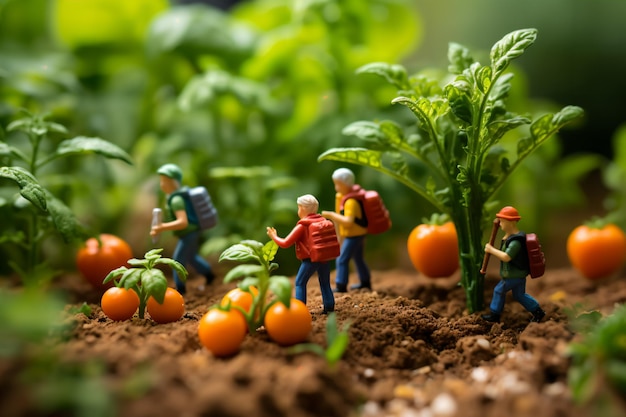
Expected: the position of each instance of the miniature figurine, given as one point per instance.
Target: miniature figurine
(178, 220)
(316, 244)
(514, 268)
(350, 221)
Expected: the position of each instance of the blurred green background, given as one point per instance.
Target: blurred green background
(245, 96)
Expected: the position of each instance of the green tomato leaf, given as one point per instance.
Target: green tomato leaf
(243, 271)
(367, 131)
(459, 58)
(85, 145)
(114, 274)
(154, 283)
(359, 156)
(459, 95)
(395, 74)
(281, 287)
(247, 283)
(337, 348)
(176, 266)
(510, 47)
(12, 152)
(240, 253)
(269, 250)
(131, 278)
(30, 188)
(65, 222)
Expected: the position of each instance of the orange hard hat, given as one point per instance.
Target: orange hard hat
(508, 213)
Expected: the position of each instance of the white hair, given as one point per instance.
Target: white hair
(309, 202)
(344, 175)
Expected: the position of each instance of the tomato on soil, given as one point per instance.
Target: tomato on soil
(172, 309)
(288, 326)
(434, 250)
(222, 332)
(119, 303)
(597, 252)
(95, 262)
(240, 298)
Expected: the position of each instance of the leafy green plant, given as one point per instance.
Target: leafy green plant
(597, 375)
(257, 275)
(42, 211)
(337, 340)
(454, 154)
(614, 176)
(147, 280)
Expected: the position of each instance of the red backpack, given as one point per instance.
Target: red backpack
(534, 261)
(321, 239)
(375, 215)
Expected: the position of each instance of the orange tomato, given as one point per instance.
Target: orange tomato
(434, 249)
(222, 332)
(597, 252)
(240, 298)
(172, 308)
(95, 262)
(119, 303)
(288, 326)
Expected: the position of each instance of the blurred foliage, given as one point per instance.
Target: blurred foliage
(614, 176)
(597, 376)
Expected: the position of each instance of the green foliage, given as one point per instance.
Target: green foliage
(452, 154)
(614, 176)
(337, 340)
(597, 376)
(257, 275)
(44, 212)
(145, 278)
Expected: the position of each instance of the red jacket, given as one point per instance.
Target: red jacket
(299, 236)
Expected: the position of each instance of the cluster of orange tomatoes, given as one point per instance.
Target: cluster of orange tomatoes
(596, 252)
(221, 330)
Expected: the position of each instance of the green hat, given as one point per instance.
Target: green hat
(172, 171)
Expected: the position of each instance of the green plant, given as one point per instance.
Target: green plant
(614, 176)
(457, 158)
(40, 212)
(597, 376)
(143, 277)
(257, 275)
(337, 340)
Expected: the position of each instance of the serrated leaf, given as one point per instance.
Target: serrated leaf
(29, 187)
(459, 58)
(510, 47)
(459, 95)
(497, 129)
(483, 79)
(394, 74)
(281, 287)
(359, 156)
(85, 145)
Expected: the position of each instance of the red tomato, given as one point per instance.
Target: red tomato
(222, 332)
(288, 326)
(240, 298)
(95, 262)
(172, 308)
(597, 252)
(434, 249)
(119, 303)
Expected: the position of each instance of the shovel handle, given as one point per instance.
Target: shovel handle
(492, 240)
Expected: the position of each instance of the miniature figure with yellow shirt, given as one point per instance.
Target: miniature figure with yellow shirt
(351, 225)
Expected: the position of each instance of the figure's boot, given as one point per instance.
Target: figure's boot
(538, 315)
(340, 288)
(492, 317)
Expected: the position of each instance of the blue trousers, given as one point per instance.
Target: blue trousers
(186, 253)
(307, 269)
(352, 248)
(517, 286)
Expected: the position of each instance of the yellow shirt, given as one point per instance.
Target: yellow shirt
(351, 208)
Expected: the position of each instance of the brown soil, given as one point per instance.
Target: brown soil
(413, 351)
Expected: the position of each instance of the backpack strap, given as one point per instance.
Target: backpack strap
(184, 193)
(358, 194)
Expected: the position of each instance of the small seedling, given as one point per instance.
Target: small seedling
(337, 340)
(258, 276)
(144, 278)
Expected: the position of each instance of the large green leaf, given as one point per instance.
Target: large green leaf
(85, 145)
(65, 222)
(30, 188)
(510, 47)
